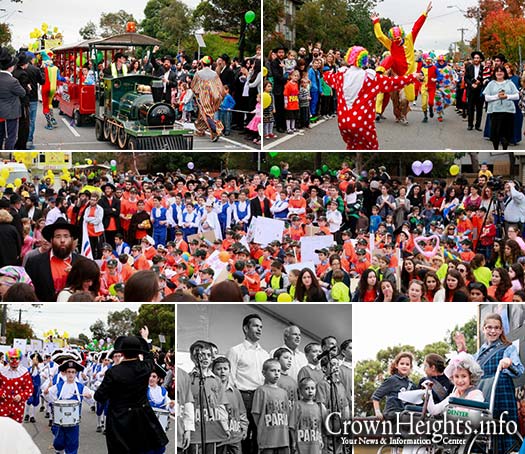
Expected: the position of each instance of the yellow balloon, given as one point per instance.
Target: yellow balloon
(2, 181)
(44, 27)
(265, 71)
(55, 29)
(4, 173)
(18, 182)
(89, 161)
(266, 100)
(454, 170)
(284, 298)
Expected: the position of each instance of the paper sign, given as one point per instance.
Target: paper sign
(412, 397)
(21, 344)
(310, 243)
(210, 236)
(266, 230)
(36, 345)
(311, 230)
(300, 266)
(217, 265)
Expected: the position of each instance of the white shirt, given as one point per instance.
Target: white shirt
(298, 361)
(69, 391)
(246, 361)
(53, 215)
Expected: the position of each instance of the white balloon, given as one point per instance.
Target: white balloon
(191, 165)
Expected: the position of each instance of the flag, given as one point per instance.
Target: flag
(86, 245)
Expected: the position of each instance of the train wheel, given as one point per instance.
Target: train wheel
(122, 138)
(107, 128)
(77, 117)
(99, 130)
(132, 143)
(113, 132)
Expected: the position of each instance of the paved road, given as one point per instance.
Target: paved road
(67, 136)
(91, 442)
(451, 134)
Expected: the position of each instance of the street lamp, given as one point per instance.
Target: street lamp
(478, 23)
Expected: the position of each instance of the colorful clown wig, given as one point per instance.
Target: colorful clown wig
(206, 60)
(441, 57)
(425, 56)
(357, 56)
(14, 353)
(396, 33)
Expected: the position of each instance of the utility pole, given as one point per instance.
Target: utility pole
(462, 30)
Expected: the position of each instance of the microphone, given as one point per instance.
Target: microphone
(331, 352)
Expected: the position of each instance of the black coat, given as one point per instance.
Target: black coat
(255, 208)
(132, 426)
(112, 211)
(279, 80)
(39, 269)
(470, 78)
(10, 93)
(36, 78)
(11, 245)
(227, 77)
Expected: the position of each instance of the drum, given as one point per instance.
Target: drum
(66, 413)
(164, 417)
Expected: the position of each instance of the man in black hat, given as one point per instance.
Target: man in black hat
(11, 93)
(474, 82)
(165, 72)
(118, 67)
(132, 426)
(49, 270)
(260, 205)
(277, 71)
(20, 74)
(31, 209)
(224, 71)
(111, 206)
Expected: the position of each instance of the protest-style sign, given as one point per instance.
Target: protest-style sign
(309, 244)
(300, 266)
(266, 230)
(209, 236)
(311, 230)
(36, 345)
(21, 344)
(50, 347)
(217, 265)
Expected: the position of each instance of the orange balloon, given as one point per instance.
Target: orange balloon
(224, 256)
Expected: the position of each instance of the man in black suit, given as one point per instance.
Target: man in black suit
(30, 209)
(279, 81)
(260, 205)
(49, 270)
(111, 207)
(474, 82)
(10, 94)
(225, 72)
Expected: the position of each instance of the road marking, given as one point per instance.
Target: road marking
(73, 131)
(291, 136)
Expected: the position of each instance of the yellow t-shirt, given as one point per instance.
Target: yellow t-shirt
(340, 292)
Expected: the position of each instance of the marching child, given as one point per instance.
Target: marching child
(67, 438)
(399, 379)
(270, 410)
(237, 419)
(313, 368)
(33, 401)
(307, 419)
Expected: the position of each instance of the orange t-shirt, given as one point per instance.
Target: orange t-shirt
(255, 286)
(59, 272)
(91, 227)
(301, 203)
(141, 263)
(291, 94)
(127, 208)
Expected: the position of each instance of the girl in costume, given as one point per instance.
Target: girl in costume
(357, 90)
(444, 83)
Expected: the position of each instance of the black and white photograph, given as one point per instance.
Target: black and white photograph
(266, 378)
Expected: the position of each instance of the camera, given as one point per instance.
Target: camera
(496, 183)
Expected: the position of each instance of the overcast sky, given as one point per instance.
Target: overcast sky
(68, 15)
(73, 318)
(441, 26)
(380, 325)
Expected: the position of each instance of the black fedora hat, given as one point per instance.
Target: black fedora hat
(478, 52)
(130, 345)
(6, 59)
(60, 224)
(112, 186)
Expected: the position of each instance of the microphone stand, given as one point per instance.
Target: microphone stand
(333, 397)
(202, 394)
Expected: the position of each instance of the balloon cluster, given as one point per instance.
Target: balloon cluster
(46, 32)
(99, 345)
(54, 334)
(25, 157)
(49, 174)
(325, 170)
(419, 167)
(66, 176)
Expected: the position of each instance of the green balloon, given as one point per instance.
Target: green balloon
(334, 173)
(275, 171)
(249, 16)
(319, 172)
(261, 297)
(325, 168)
(273, 154)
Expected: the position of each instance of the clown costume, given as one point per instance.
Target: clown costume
(357, 90)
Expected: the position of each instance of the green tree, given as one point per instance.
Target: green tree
(216, 44)
(18, 331)
(368, 375)
(121, 323)
(114, 23)
(470, 330)
(5, 34)
(83, 338)
(273, 14)
(99, 330)
(88, 31)
(160, 319)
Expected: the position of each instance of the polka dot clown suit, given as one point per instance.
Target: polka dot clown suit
(16, 387)
(357, 90)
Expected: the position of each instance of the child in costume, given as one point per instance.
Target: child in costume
(52, 75)
(444, 83)
(428, 87)
(357, 90)
(33, 401)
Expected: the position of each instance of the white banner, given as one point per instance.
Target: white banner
(266, 230)
(36, 345)
(21, 344)
(309, 244)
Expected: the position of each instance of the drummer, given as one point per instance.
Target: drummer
(67, 438)
(158, 398)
